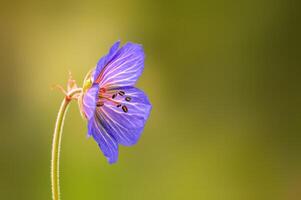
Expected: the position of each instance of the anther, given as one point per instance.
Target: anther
(118, 105)
(121, 93)
(100, 103)
(125, 109)
(128, 98)
(113, 96)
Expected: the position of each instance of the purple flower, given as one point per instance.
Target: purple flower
(116, 111)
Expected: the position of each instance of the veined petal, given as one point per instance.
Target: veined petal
(105, 141)
(105, 59)
(124, 68)
(125, 121)
(89, 101)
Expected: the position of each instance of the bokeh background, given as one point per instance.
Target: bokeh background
(223, 78)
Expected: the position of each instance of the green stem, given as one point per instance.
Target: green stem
(56, 143)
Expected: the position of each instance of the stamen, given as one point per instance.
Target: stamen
(125, 109)
(128, 98)
(100, 103)
(102, 90)
(110, 100)
(121, 93)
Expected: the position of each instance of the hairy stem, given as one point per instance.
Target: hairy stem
(56, 143)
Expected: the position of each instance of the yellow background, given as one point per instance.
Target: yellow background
(223, 78)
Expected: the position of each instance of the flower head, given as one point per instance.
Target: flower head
(116, 111)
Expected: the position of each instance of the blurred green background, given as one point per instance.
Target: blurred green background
(223, 78)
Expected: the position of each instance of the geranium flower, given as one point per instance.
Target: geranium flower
(116, 111)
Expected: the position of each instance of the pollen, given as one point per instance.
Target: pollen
(121, 93)
(125, 109)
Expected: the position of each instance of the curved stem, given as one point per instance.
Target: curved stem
(56, 143)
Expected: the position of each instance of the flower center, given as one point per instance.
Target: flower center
(118, 99)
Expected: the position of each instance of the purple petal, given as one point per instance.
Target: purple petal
(106, 59)
(124, 69)
(89, 101)
(125, 125)
(105, 141)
